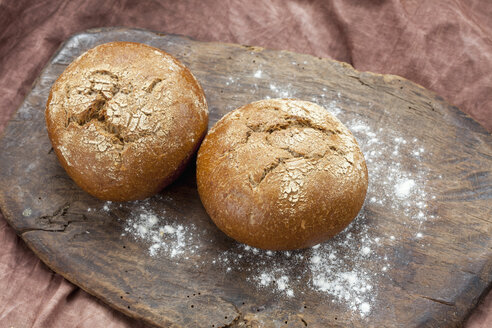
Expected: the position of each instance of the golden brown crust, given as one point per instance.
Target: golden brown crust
(124, 118)
(281, 174)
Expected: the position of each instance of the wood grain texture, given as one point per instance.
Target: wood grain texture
(432, 286)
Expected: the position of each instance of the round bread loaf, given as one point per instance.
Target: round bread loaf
(124, 119)
(281, 174)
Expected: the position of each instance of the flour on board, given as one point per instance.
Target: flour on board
(346, 269)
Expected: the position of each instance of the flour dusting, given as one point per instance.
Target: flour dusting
(346, 279)
(404, 187)
(163, 236)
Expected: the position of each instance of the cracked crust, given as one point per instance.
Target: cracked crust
(281, 174)
(124, 119)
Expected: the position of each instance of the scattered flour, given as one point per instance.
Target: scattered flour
(164, 236)
(280, 283)
(106, 206)
(339, 270)
(403, 188)
(279, 92)
(345, 269)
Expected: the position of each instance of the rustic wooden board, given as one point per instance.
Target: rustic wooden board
(434, 282)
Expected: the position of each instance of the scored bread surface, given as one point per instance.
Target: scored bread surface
(124, 118)
(281, 174)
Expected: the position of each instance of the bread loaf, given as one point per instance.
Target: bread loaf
(124, 119)
(281, 174)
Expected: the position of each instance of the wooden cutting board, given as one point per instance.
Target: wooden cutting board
(419, 254)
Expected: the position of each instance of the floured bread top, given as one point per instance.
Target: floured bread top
(119, 103)
(282, 165)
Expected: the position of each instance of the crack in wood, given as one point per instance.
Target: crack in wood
(438, 301)
(236, 320)
(57, 222)
(361, 81)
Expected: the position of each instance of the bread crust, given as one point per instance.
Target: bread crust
(281, 174)
(124, 119)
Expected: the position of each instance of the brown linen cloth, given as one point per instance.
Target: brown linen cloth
(446, 46)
